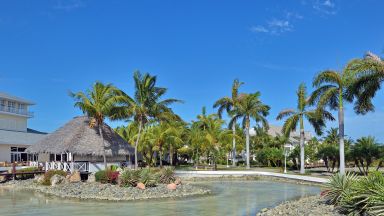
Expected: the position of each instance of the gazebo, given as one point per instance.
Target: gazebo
(78, 146)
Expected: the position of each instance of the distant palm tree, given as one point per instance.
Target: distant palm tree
(331, 92)
(296, 116)
(369, 78)
(249, 107)
(146, 105)
(98, 103)
(228, 104)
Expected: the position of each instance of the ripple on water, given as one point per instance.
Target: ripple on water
(228, 198)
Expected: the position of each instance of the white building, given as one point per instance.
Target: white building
(15, 136)
(294, 137)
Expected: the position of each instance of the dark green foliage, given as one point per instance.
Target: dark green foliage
(48, 175)
(26, 170)
(167, 175)
(130, 178)
(270, 156)
(148, 177)
(357, 196)
(364, 152)
(101, 176)
(107, 176)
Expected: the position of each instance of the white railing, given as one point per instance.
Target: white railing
(67, 166)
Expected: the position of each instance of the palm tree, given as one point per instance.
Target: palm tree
(215, 136)
(146, 105)
(98, 103)
(228, 104)
(296, 116)
(331, 92)
(249, 107)
(369, 77)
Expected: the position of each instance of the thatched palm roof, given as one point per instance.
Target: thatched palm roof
(78, 138)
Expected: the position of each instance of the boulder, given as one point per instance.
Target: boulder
(140, 186)
(57, 179)
(91, 178)
(39, 179)
(75, 177)
(178, 181)
(2, 178)
(172, 186)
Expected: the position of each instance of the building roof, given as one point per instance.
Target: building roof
(276, 131)
(20, 138)
(14, 98)
(77, 137)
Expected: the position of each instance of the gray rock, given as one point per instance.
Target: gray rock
(91, 178)
(57, 179)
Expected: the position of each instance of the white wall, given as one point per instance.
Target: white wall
(5, 153)
(14, 123)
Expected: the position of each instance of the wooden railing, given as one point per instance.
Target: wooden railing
(67, 166)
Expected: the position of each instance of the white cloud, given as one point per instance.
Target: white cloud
(327, 7)
(68, 5)
(259, 29)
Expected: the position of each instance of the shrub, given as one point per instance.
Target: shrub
(48, 175)
(130, 177)
(148, 177)
(337, 186)
(167, 175)
(114, 168)
(26, 170)
(106, 176)
(365, 196)
(357, 196)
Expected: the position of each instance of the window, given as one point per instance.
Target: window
(2, 105)
(11, 106)
(21, 108)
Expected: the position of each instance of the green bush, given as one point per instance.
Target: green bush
(48, 175)
(357, 196)
(26, 170)
(337, 186)
(114, 168)
(129, 178)
(148, 177)
(106, 176)
(101, 176)
(166, 175)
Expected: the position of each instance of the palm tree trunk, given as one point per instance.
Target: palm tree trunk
(302, 164)
(103, 144)
(247, 146)
(137, 143)
(161, 158)
(341, 140)
(234, 144)
(170, 155)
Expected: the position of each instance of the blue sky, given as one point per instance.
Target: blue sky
(196, 48)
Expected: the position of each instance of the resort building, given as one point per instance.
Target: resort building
(78, 146)
(294, 137)
(15, 136)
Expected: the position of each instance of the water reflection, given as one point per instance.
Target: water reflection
(229, 198)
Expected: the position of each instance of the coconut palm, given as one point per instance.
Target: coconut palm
(146, 105)
(227, 104)
(98, 103)
(331, 92)
(196, 138)
(216, 136)
(249, 107)
(369, 77)
(297, 116)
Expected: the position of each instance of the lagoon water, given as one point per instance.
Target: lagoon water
(228, 198)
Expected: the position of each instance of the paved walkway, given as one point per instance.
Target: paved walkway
(250, 172)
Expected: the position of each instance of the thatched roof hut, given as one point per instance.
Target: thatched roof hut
(78, 138)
